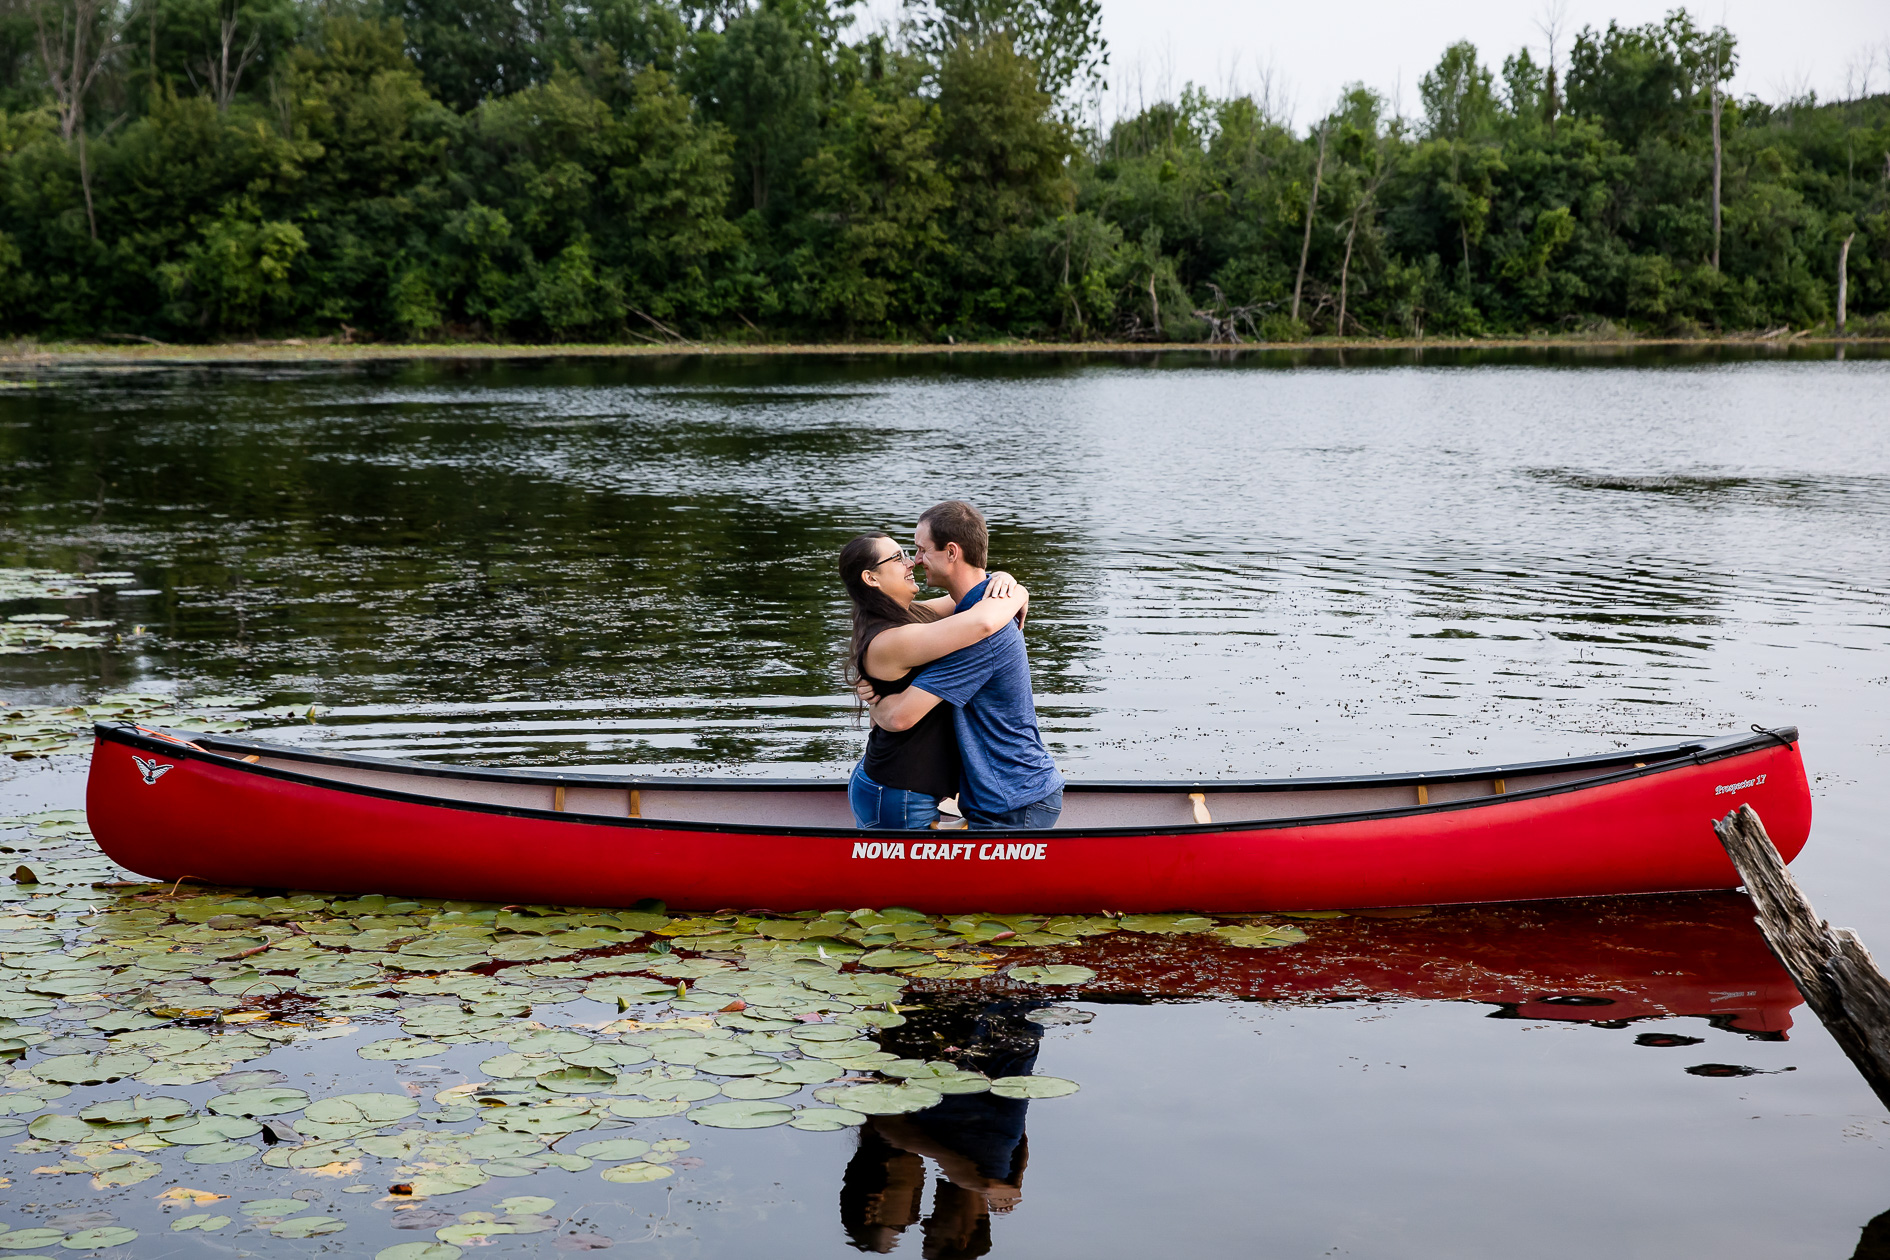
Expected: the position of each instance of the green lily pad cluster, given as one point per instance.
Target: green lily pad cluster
(586, 1037)
(53, 730)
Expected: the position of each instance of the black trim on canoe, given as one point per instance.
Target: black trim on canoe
(228, 753)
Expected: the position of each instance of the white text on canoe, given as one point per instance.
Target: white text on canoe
(951, 852)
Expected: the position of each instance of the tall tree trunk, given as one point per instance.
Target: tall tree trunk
(1844, 279)
(85, 182)
(1345, 268)
(1716, 158)
(1312, 208)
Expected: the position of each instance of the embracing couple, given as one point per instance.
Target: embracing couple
(948, 683)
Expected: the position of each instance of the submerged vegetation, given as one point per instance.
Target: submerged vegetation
(667, 170)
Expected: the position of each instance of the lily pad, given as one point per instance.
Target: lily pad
(90, 1069)
(258, 1102)
(880, 1100)
(220, 1153)
(361, 1109)
(61, 1128)
(612, 1149)
(401, 1048)
(825, 1119)
(105, 1236)
(807, 1072)
(1260, 936)
(449, 1180)
(1164, 924)
(21, 1239)
(1058, 974)
(742, 1114)
(206, 1130)
(1033, 1087)
(647, 1108)
(628, 1174)
(759, 1087)
(206, 1221)
(526, 1205)
(419, 1251)
(309, 1227)
(272, 1207)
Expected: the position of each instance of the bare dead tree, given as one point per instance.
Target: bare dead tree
(1312, 208)
(1225, 322)
(1551, 22)
(1844, 279)
(76, 44)
(220, 76)
(1351, 233)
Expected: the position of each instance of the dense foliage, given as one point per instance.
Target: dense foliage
(661, 169)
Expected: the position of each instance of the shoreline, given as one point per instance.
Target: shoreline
(18, 354)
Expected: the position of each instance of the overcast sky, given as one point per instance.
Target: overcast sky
(1314, 47)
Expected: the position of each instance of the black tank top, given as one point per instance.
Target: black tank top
(922, 758)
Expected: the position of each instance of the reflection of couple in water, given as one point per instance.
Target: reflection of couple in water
(948, 681)
(977, 1140)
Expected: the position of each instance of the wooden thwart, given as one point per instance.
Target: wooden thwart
(1831, 967)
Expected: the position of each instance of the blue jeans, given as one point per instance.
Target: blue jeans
(1038, 816)
(889, 808)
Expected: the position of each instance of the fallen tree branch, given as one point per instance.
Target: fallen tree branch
(1836, 974)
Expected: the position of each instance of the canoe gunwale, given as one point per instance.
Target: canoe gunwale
(1658, 760)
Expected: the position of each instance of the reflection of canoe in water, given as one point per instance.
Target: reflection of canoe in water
(239, 812)
(1591, 961)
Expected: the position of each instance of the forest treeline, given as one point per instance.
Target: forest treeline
(755, 169)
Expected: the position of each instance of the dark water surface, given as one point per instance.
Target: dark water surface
(1247, 568)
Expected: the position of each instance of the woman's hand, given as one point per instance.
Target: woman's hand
(1001, 586)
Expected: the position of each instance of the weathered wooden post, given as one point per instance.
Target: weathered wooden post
(1832, 968)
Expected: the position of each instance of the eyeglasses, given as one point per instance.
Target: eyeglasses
(902, 556)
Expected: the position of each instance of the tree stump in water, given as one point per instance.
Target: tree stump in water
(1831, 967)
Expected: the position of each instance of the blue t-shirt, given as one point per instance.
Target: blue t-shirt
(988, 687)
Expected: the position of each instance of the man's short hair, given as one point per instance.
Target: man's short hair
(955, 521)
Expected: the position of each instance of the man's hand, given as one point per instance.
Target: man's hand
(864, 690)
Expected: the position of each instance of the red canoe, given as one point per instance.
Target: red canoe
(232, 811)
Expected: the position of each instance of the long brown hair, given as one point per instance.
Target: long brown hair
(873, 609)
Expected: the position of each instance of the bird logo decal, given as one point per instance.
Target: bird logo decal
(152, 770)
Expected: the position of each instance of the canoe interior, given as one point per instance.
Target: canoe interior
(1086, 806)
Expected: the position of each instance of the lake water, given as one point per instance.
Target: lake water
(1244, 567)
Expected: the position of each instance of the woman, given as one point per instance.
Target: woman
(899, 783)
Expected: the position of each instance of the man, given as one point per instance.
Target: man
(1009, 779)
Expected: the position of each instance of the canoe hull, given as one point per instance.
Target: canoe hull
(212, 818)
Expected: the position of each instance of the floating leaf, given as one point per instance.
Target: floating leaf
(1164, 924)
(206, 1130)
(58, 1128)
(361, 1109)
(221, 1153)
(742, 1114)
(880, 1100)
(1260, 936)
(205, 1221)
(90, 1069)
(807, 1072)
(825, 1119)
(759, 1087)
(401, 1048)
(266, 1101)
(527, 1204)
(309, 1227)
(612, 1149)
(1058, 974)
(419, 1251)
(626, 1174)
(21, 1239)
(647, 1109)
(450, 1180)
(1032, 1087)
(550, 1041)
(105, 1236)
